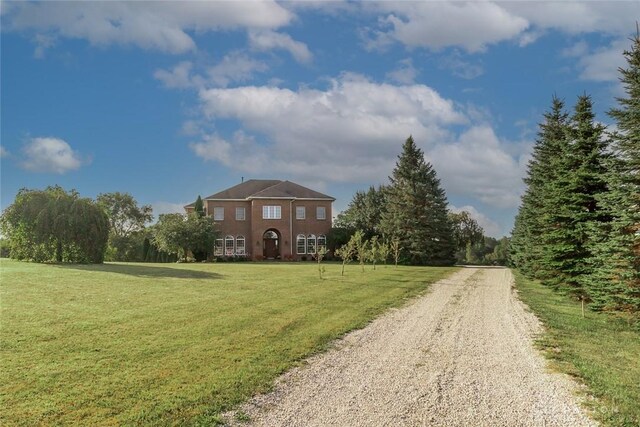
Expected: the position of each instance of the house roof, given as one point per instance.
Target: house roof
(266, 188)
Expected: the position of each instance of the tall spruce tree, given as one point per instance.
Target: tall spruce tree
(416, 210)
(614, 282)
(572, 201)
(548, 152)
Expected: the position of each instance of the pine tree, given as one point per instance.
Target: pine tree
(573, 207)
(614, 282)
(199, 207)
(525, 248)
(416, 211)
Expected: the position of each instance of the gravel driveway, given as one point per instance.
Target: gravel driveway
(461, 355)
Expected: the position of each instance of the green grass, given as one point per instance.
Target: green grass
(601, 350)
(171, 344)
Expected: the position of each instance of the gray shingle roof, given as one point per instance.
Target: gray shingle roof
(266, 188)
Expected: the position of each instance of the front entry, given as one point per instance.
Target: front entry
(271, 244)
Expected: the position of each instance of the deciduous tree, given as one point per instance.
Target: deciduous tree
(55, 225)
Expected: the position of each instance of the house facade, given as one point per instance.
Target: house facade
(269, 219)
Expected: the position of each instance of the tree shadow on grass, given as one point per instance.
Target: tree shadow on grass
(143, 270)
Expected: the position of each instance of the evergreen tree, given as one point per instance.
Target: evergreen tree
(416, 210)
(548, 156)
(572, 207)
(614, 282)
(364, 212)
(199, 207)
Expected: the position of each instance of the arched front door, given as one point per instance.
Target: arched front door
(271, 244)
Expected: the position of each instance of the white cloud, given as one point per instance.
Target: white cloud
(213, 148)
(460, 67)
(603, 63)
(473, 26)
(353, 131)
(349, 132)
(406, 73)
(235, 67)
(575, 17)
(179, 77)
(489, 227)
(3, 152)
(436, 25)
(478, 165)
(267, 40)
(43, 42)
(50, 155)
(151, 25)
(576, 50)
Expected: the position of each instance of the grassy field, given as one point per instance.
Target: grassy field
(171, 344)
(603, 351)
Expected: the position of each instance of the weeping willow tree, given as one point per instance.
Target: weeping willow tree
(54, 225)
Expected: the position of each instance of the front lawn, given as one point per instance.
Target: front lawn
(170, 344)
(601, 350)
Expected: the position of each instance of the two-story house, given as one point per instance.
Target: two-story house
(269, 219)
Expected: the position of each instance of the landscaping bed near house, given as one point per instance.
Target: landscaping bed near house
(170, 344)
(600, 349)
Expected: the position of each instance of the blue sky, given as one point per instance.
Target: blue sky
(168, 100)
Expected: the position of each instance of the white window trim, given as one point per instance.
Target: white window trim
(272, 212)
(324, 213)
(324, 239)
(242, 251)
(244, 213)
(216, 210)
(233, 246)
(314, 239)
(219, 250)
(303, 210)
(304, 244)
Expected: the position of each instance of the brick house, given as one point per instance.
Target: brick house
(269, 219)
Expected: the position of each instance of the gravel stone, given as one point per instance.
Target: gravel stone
(461, 355)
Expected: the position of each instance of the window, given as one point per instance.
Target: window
(240, 245)
(228, 245)
(321, 213)
(240, 214)
(218, 250)
(301, 244)
(311, 244)
(271, 212)
(301, 212)
(322, 242)
(218, 213)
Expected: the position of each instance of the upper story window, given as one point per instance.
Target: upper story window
(321, 212)
(240, 214)
(271, 212)
(301, 212)
(218, 213)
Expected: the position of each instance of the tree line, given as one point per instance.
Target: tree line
(409, 217)
(578, 226)
(55, 225)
